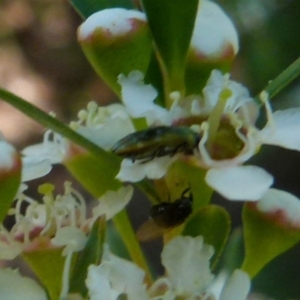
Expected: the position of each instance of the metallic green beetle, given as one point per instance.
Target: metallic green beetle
(157, 142)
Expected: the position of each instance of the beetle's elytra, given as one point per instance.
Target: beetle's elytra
(157, 142)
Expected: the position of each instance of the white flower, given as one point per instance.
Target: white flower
(113, 277)
(103, 126)
(38, 159)
(13, 286)
(138, 98)
(187, 263)
(59, 221)
(62, 219)
(224, 117)
(188, 276)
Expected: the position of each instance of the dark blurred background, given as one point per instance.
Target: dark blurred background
(41, 61)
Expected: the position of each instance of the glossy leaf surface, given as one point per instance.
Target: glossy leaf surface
(213, 223)
(172, 24)
(264, 239)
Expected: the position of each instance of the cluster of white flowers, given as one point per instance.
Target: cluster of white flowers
(226, 175)
(223, 116)
(62, 220)
(59, 222)
(187, 264)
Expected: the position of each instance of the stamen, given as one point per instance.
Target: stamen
(175, 97)
(249, 142)
(92, 108)
(204, 153)
(264, 97)
(81, 206)
(46, 137)
(215, 116)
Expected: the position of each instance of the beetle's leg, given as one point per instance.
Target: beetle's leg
(161, 151)
(154, 154)
(179, 148)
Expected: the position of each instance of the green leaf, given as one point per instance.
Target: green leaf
(87, 7)
(213, 223)
(154, 77)
(172, 24)
(91, 254)
(234, 251)
(96, 174)
(264, 239)
(48, 265)
(197, 73)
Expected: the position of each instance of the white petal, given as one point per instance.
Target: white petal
(98, 284)
(216, 83)
(286, 132)
(15, 287)
(187, 261)
(113, 202)
(213, 30)
(10, 250)
(7, 155)
(123, 277)
(53, 151)
(162, 286)
(138, 98)
(71, 237)
(236, 287)
(35, 167)
(109, 132)
(248, 183)
(276, 201)
(136, 171)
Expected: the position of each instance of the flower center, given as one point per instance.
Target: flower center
(225, 143)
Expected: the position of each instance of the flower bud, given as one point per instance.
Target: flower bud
(213, 46)
(10, 176)
(116, 41)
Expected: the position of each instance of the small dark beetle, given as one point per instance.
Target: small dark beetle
(165, 216)
(157, 142)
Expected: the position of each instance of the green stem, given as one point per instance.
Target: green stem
(124, 227)
(50, 122)
(282, 80)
